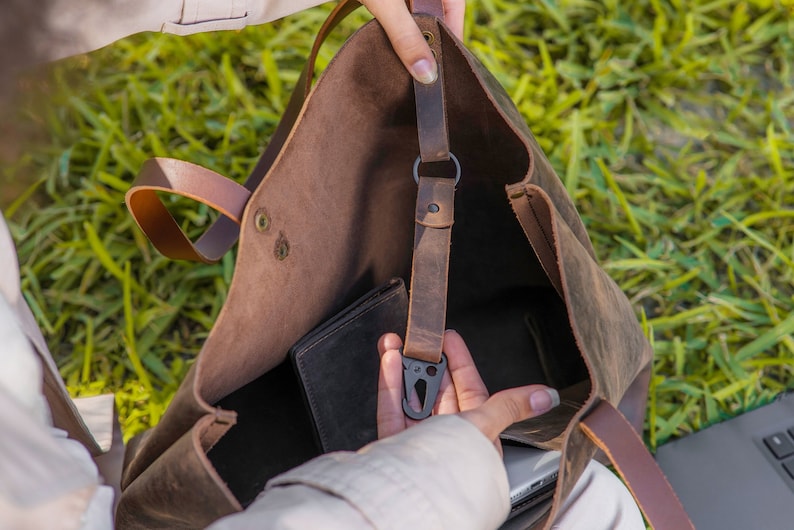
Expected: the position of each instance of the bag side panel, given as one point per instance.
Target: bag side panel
(180, 490)
(181, 415)
(339, 206)
(540, 171)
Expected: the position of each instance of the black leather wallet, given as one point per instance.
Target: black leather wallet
(337, 365)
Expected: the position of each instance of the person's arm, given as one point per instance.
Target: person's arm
(80, 27)
(441, 474)
(74, 27)
(48, 480)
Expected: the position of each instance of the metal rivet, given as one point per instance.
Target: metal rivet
(517, 195)
(433, 208)
(429, 37)
(261, 220)
(281, 250)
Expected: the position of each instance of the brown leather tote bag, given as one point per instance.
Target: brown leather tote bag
(352, 193)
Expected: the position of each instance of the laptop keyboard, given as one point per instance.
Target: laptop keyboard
(781, 445)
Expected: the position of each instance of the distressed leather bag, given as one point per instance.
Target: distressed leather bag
(372, 177)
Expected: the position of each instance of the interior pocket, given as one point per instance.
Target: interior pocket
(273, 434)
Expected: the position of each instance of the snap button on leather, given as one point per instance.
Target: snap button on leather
(261, 220)
(281, 250)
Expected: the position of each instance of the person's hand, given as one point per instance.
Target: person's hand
(407, 39)
(462, 392)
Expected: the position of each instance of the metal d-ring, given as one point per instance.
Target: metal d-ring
(451, 156)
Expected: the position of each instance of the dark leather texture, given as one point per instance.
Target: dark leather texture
(431, 119)
(524, 287)
(427, 310)
(338, 368)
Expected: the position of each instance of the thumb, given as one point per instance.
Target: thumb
(405, 38)
(509, 406)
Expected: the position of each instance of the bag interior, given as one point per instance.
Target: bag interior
(499, 298)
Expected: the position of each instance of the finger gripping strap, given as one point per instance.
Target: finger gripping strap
(193, 182)
(614, 435)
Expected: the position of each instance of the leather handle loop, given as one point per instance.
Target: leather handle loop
(193, 182)
(614, 435)
(210, 188)
(161, 228)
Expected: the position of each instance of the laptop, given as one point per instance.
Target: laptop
(531, 473)
(738, 474)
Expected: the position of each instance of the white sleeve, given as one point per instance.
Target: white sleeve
(442, 473)
(599, 501)
(47, 479)
(74, 27)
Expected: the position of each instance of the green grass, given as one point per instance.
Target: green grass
(670, 122)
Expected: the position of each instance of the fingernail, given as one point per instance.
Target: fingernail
(544, 400)
(425, 71)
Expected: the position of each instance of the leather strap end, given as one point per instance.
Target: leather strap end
(614, 435)
(434, 201)
(193, 182)
(431, 108)
(428, 7)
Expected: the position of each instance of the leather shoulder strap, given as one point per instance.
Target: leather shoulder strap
(435, 207)
(431, 108)
(427, 306)
(428, 7)
(614, 435)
